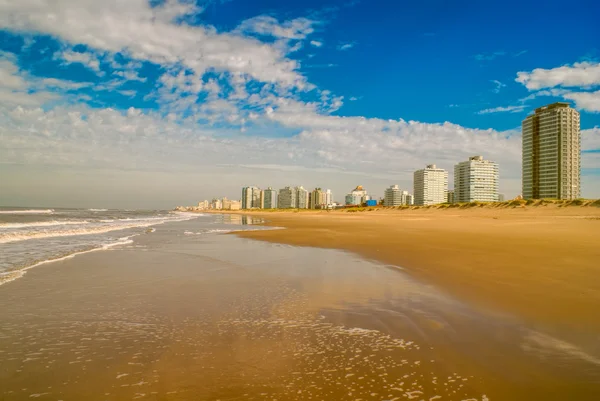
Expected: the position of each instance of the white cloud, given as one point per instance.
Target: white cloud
(298, 28)
(584, 74)
(132, 27)
(87, 59)
(316, 43)
(9, 76)
(346, 46)
(589, 101)
(499, 85)
(509, 109)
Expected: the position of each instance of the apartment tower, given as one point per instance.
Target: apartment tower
(392, 196)
(476, 180)
(269, 196)
(552, 153)
(430, 186)
(251, 198)
(287, 198)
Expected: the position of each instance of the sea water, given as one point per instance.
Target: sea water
(33, 236)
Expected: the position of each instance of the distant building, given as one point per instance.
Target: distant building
(301, 198)
(203, 205)
(552, 153)
(357, 197)
(500, 197)
(251, 198)
(450, 198)
(286, 198)
(228, 204)
(216, 204)
(409, 199)
(430, 186)
(269, 198)
(329, 198)
(392, 196)
(318, 199)
(476, 180)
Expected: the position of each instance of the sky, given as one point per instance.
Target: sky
(159, 103)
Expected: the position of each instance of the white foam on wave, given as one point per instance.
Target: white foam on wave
(7, 277)
(30, 211)
(43, 224)
(98, 210)
(90, 230)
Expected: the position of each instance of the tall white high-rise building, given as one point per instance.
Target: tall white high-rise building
(430, 185)
(392, 196)
(301, 198)
(270, 198)
(251, 198)
(328, 197)
(287, 198)
(552, 153)
(476, 180)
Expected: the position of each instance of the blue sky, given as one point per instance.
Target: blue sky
(137, 103)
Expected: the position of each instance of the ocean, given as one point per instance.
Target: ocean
(33, 236)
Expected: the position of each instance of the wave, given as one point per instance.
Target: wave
(30, 211)
(90, 230)
(43, 224)
(98, 210)
(6, 277)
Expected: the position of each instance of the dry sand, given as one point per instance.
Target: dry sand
(539, 263)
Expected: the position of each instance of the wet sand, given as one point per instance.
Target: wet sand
(539, 263)
(217, 317)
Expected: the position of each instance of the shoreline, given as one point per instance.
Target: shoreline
(536, 263)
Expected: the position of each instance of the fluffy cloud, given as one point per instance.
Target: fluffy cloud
(584, 74)
(87, 59)
(135, 28)
(316, 43)
(298, 28)
(589, 101)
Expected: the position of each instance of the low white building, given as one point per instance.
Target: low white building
(476, 180)
(392, 196)
(357, 197)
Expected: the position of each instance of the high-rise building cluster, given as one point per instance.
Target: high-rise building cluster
(286, 198)
(551, 169)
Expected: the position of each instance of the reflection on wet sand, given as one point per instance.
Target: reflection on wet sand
(212, 317)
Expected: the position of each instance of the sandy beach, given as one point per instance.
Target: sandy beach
(184, 312)
(539, 263)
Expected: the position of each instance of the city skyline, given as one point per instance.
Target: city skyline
(180, 98)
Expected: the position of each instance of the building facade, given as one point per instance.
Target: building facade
(269, 198)
(450, 197)
(286, 199)
(251, 198)
(302, 196)
(328, 198)
(430, 186)
(357, 197)
(392, 196)
(318, 199)
(552, 153)
(476, 180)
